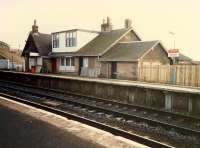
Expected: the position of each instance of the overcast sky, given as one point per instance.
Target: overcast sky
(152, 19)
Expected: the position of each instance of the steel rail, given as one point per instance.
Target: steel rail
(113, 130)
(127, 116)
(166, 113)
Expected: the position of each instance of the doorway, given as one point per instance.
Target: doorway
(80, 65)
(113, 70)
(54, 65)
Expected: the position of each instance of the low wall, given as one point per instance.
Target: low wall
(150, 97)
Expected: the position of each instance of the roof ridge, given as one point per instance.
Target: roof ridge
(44, 33)
(116, 41)
(76, 29)
(138, 41)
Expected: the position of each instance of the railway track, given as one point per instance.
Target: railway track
(115, 131)
(95, 105)
(149, 111)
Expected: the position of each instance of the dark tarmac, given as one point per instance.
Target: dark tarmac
(18, 130)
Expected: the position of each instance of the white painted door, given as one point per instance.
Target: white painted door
(85, 62)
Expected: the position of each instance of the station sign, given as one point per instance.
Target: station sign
(173, 53)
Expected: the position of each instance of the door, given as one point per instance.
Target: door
(113, 70)
(80, 65)
(54, 67)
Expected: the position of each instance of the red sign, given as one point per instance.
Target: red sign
(173, 53)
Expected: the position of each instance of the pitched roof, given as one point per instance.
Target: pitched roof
(4, 45)
(102, 42)
(42, 43)
(83, 30)
(60, 54)
(128, 51)
(183, 57)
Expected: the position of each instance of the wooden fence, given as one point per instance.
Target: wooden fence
(186, 75)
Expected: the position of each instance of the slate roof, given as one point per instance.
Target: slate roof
(83, 30)
(102, 42)
(183, 57)
(4, 45)
(60, 54)
(128, 51)
(41, 41)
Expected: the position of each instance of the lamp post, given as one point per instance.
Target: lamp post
(174, 39)
(174, 45)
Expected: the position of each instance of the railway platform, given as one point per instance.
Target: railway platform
(184, 100)
(24, 126)
(155, 86)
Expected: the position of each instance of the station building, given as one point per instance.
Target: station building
(109, 53)
(36, 50)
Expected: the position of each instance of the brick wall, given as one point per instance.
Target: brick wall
(157, 55)
(127, 70)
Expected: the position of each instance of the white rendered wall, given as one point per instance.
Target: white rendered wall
(82, 39)
(37, 62)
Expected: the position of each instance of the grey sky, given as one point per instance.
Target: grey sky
(152, 20)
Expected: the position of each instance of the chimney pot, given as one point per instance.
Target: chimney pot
(127, 23)
(34, 27)
(106, 26)
(108, 20)
(35, 22)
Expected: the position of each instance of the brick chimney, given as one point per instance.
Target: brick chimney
(106, 26)
(34, 27)
(127, 23)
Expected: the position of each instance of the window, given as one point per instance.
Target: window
(62, 62)
(56, 40)
(68, 61)
(72, 62)
(67, 39)
(85, 62)
(74, 38)
(71, 39)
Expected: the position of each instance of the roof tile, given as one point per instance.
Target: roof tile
(128, 51)
(103, 41)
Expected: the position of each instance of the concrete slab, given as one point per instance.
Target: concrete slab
(23, 126)
(155, 86)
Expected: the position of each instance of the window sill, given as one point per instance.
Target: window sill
(67, 69)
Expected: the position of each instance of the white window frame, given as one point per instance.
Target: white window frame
(56, 40)
(71, 39)
(67, 68)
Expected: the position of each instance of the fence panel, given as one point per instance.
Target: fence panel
(186, 75)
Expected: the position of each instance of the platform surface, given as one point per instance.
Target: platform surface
(21, 131)
(23, 126)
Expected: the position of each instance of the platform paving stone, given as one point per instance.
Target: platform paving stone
(18, 130)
